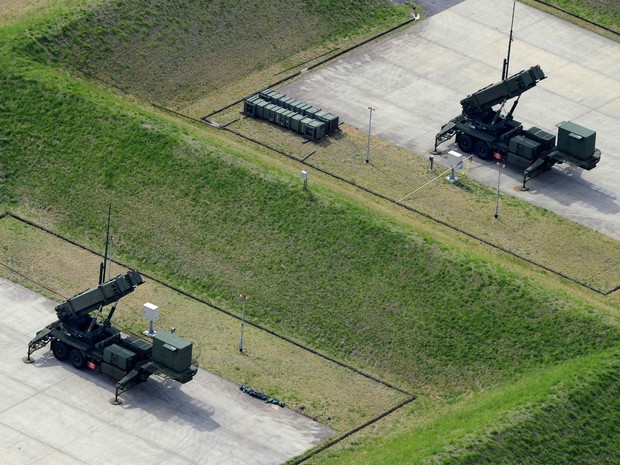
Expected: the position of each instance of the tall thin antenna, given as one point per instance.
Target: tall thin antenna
(103, 266)
(507, 59)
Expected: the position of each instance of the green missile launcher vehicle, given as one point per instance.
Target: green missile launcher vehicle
(488, 133)
(91, 341)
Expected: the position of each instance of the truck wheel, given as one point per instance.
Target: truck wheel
(60, 350)
(77, 359)
(482, 150)
(465, 143)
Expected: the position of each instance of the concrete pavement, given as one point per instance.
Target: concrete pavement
(51, 413)
(415, 80)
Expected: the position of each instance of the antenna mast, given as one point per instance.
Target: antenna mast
(507, 59)
(103, 265)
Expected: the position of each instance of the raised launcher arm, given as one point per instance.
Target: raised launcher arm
(478, 109)
(502, 91)
(95, 298)
(73, 313)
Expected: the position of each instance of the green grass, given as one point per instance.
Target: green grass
(564, 414)
(454, 324)
(175, 51)
(603, 12)
(378, 294)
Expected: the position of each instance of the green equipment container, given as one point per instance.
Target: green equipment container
(266, 94)
(315, 130)
(275, 98)
(269, 112)
(296, 122)
(302, 108)
(285, 102)
(172, 351)
(331, 121)
(279, 116)
(295, 105)
(287, 118)
(250, 105)
(119, 357)
(310, 112)
(259, 108)
(576, 140)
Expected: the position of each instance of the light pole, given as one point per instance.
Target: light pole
(244, 297)
(370, 110)
(500, 165)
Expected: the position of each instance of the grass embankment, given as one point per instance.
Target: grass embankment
(176, 51)
(562, 414)
(308, 383)
(380, 294)
(329, 273)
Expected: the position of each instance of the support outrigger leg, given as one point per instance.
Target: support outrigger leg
(40, 341)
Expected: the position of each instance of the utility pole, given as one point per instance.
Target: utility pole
(244, 297)
(370, 109)
(500, 165)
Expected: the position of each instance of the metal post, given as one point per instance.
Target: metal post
(370, 110)
(499, 173)
(244, 297)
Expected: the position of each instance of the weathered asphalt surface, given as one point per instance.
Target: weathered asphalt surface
(415, 80)
(51, 413)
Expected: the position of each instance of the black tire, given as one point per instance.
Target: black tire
(465, 143)
(60, 350)
(482, 150)
(77, 359)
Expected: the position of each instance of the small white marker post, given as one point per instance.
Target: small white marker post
(244, 297)
(304, 177)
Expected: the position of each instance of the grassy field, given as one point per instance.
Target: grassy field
(478, 335)
(524, 229)
(176, 51)
(305, 381)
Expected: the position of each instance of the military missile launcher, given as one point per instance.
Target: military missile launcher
(89, 340)
(487, 132)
